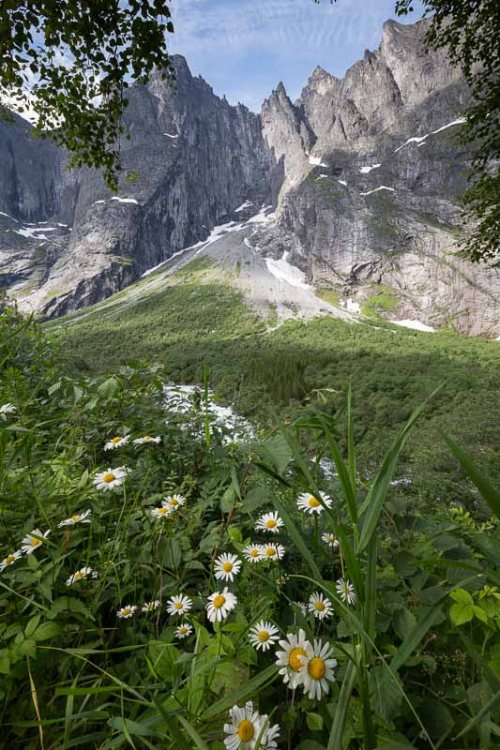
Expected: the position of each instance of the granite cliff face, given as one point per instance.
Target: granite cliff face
(190, 160)
(364, 173)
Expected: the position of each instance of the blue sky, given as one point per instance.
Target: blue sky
(243, 48)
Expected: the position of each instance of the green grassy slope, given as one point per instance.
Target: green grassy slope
(191, 326)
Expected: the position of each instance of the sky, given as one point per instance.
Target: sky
(244, 48)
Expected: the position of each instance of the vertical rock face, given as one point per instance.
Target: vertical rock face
(190, 160)
(365, 172)
(373, 197)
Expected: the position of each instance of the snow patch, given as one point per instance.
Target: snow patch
(284, 271)
(244, 205)
(376, 190)
(169, 135)
(322, 177)
(124, 200)
(416, 325)
(420, 139)
(96, 202)
(34, 233)
(2, 213)
(342, 182)
(366, 170)
(350, 305)
(316, 161)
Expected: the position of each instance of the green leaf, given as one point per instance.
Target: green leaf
(277, 452)
(47, 630)
(461, 613)
(385, 695)
(314, 722)
(414, 637)
(298, 539)
(462, 596)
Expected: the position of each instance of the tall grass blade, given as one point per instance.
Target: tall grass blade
(484, 711)
(298, 540)
(250, 688)
(486, 490)
(337, 732)
(375, 499)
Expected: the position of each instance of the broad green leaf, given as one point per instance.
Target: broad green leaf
(314, 722)
(461, 613)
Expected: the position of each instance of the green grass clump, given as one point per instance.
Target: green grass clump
(383, 300)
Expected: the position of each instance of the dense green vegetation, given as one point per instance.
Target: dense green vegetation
(195, 328)
(102, 530)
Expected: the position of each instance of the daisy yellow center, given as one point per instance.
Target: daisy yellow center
(313, 502)
(227, 567)
(173, 502)
(109, 477)
(246, 730)
(116, 440)
(147, 437)
(294, 659)
(271, 523)
(316, 668)
(319, 606)
(178, 605)
(35, 542)
(219, 601)
(263, 636)
(270, 551)
(75, 518)
(162, 511)
(9, 559)
(78, 575)
(126, 611)
(183, 631)
(254, 552)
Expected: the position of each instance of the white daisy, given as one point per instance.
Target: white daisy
(110, 479)
(271, 734)
(330, 540)
(244, 728)
(270, 522)
(226, 567)
(220, 605)
(80, 575)
(150, 606)
(173, 502)
(116, 442)
(34, 540)
(273, 551)
(320, 606)
(162, 512)
(253, 553)
(263, 635)
(317, 669)
(126, 612)
(310, 504)
(146, 439)
(292, 658)
(76, 518)
(179, 605)
(183, 631)
(10, 559)
(7, 409)
(346, 590)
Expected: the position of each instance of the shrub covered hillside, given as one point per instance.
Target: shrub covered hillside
(164, 586)
(197, 325)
